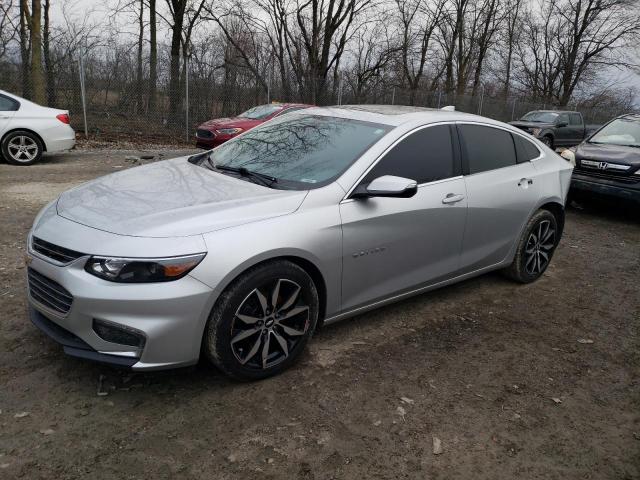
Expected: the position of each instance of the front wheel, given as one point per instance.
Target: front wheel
(548, 141)
(535, 248)
(21, 148)
(261, 323)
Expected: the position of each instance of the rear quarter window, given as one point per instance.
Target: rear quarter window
(8, 104)
(525, 150)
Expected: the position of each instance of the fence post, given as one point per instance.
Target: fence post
(186, 104)
(513, 110)
(439, 97)
(481, 100)
(340, 88)
(83, 93)
(393, 96)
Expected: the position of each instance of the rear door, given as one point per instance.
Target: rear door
(397, 244)
(501, 192)
(8, 108)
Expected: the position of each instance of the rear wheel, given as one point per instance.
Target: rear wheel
(535, 248)
(262, 321)
(21, 148)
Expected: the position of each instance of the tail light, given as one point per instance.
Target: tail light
(63, 117)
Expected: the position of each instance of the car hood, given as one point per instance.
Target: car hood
(235, 122)
(525, 124)
(609, 153)
(172, 198)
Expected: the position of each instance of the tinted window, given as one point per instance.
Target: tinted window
(525, 149)
(575, 119)
(424, 156)
(7, 104)
(563, 118)
(487, 148)
(301, 151)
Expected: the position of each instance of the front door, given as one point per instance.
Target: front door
(392, 245)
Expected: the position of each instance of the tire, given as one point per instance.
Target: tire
(244, 321)
(548, 141)
(21, 147)
(529, 262)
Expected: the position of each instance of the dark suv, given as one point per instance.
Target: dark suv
(608, 162)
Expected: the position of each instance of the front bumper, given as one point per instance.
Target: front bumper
(211, 142)
(170, 315)
(602, 186)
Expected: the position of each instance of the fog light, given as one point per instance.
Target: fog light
(115, 333)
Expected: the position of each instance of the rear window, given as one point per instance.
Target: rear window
(487, 148)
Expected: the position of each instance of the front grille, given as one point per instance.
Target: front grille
(617, 177)
(201, 133)
(55, 252)
(49, 293)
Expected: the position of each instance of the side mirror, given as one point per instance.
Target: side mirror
(387, 186)
(561, 124)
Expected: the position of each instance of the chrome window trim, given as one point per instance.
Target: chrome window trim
(386, 151)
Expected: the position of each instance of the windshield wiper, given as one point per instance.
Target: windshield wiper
(266, 180)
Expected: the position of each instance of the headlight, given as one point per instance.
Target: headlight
(142, 270)
(229, 131)
(535, 131)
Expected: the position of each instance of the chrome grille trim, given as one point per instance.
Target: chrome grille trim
(49, 293)
(54, 252)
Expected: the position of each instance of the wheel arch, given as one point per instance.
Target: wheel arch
(33, 132)
(308, 265)
(557, 210)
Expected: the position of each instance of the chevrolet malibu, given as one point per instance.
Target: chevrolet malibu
(241, 252)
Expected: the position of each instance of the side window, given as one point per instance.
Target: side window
(424, 156)
(563, 118)
(486, 148)
(575, 119)
(7, 104)
(525, 150)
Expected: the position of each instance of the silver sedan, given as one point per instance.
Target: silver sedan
(240, 253)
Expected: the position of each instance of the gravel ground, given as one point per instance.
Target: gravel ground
(512, 381)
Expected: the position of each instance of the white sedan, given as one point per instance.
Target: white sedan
(27, 130)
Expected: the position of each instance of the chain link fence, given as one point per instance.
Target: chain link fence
(109, 102)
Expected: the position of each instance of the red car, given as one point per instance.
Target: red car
(215, 132)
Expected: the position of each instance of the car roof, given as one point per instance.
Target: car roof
(633, 116)
(555, 111)
(395, 115)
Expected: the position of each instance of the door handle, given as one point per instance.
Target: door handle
(525, 181)
(452, 198)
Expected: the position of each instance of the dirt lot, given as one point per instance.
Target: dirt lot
(494, 370)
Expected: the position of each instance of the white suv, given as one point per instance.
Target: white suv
(27, 130)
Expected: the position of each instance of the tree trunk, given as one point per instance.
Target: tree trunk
(174, 69)
(153, 56)
(25, 47)
(139, 86)
(48, 65)
(37, 74)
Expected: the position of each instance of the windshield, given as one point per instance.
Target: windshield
(260, 112)
(622, 131)
(540, 117)
(300, 151)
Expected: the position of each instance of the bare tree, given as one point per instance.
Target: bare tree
(571, 38)
(419, 20)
